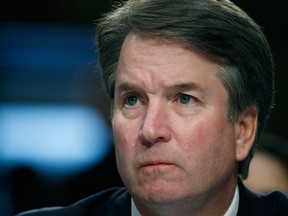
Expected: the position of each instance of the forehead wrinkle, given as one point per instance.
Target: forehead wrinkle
(129, 87)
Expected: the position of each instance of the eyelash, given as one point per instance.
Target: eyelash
(177, 99)
(192, 99)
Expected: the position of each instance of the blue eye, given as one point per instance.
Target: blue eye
(185, 99)
(131, 100)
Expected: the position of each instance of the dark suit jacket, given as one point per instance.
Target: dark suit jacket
(117, 201)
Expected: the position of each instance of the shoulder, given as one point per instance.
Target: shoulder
(114, 201)
(252, 203)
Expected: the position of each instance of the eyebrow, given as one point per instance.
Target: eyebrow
(180, 87)
(188, 87)
(126, 87)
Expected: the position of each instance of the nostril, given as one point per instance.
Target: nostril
(151, 136)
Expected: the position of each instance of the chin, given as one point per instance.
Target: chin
(159, 193)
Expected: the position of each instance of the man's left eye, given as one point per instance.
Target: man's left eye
(186, 99)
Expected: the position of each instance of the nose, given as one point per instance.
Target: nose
(155, 127)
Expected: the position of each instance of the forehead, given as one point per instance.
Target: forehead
(142, 55)
(135, 40)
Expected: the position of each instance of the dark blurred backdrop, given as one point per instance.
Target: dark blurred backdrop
(51, 99)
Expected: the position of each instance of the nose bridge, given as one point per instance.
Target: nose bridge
(154, 115)
(156, 126)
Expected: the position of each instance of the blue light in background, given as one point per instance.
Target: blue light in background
(42, 67)
(67, 47)
(53, 139)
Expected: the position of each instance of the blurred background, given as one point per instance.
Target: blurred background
(56, 144)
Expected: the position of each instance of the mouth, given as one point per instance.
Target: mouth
(155, 164)
(156, 168)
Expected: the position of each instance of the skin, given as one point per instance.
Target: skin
(176, 151)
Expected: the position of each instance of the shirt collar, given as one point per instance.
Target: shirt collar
(232, 210)
(134, 210)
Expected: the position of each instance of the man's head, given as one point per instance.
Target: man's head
(217, 29)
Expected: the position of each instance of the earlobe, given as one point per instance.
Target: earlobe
(246, 129)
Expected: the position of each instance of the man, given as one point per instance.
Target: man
(191, 86)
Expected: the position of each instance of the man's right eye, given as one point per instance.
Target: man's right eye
(131, 100)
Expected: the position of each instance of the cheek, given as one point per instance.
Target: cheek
(121, 137)
(194, 133)
(209, 152)
(121, 148)
(211, 139)
(125, 138)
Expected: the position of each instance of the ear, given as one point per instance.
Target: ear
(246, 128)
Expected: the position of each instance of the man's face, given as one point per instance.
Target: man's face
(172, 136)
